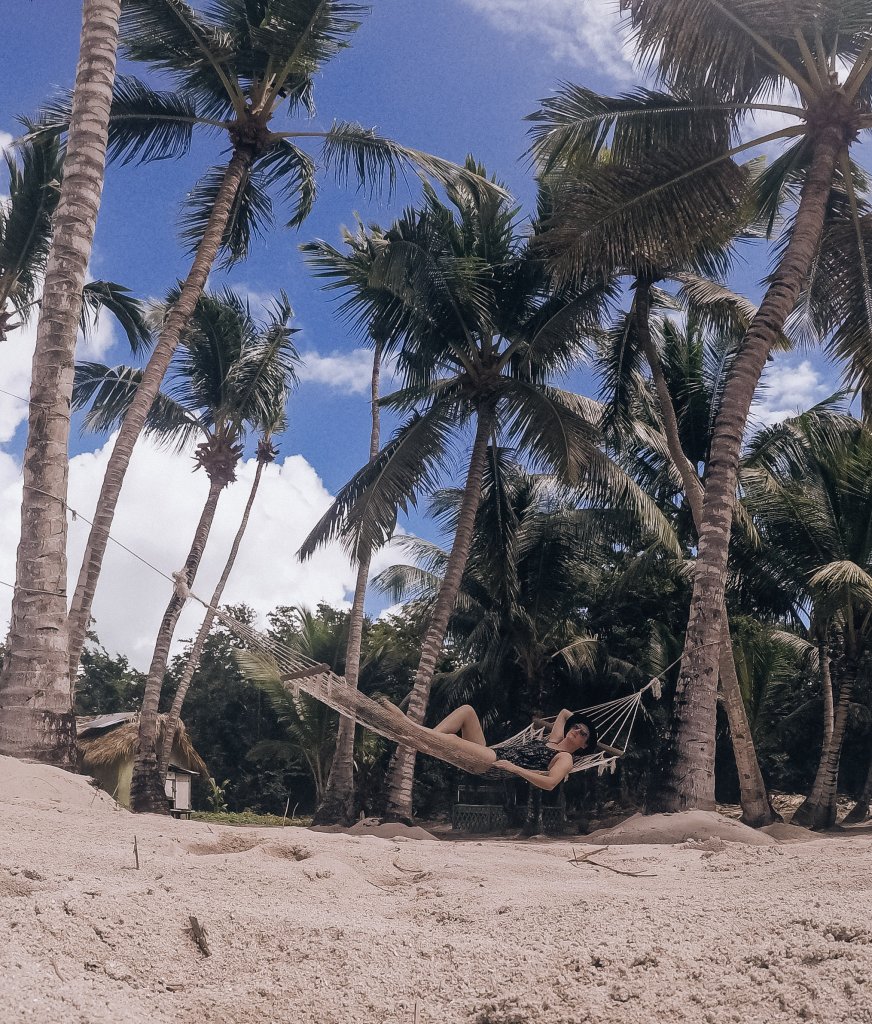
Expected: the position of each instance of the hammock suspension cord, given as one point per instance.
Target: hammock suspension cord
(614, 719)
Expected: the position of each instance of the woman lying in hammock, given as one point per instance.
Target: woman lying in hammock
(544, 763)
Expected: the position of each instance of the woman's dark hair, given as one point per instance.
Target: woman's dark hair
(590, 747)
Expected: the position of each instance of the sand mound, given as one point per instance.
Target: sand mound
(389, 830)
(670, 829)
(40, 785)
(785, 833)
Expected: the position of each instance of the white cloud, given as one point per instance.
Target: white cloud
(578, 31)
(788, 387)
(6, 141)
(16, 356)
(347, 372)
(156, 516)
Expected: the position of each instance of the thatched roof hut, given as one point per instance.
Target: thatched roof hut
(108, 745)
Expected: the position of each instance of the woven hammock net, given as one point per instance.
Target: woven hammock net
(264, 655)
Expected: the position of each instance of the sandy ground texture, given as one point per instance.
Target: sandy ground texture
(305, 927)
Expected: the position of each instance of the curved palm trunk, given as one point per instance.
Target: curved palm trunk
(337, 804)
(860, 811)
(146, 789)
(172, 723)
(690, 778)
(402, 772)
(756, 808)
(36, 719)
(818, 810)
(168, 340)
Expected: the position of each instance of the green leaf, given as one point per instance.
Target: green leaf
(127, 310)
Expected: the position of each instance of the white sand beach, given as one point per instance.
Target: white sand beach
(307, 927)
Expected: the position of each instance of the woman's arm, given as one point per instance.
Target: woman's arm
(558, 730)
(560, 768)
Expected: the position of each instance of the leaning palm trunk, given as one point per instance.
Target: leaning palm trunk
(146, 790)
(690, 779)
(402, 772)
(337, 805)
(818, 810)
(36, 719)
(756, 808)
(860, 811)
(172, 722)
(146, 392)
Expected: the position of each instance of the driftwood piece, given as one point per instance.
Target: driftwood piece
(585, 858)
(198, 934)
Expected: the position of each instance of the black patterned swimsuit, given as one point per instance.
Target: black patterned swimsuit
(535, 755)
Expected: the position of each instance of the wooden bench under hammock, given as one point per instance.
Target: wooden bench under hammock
(267, 658)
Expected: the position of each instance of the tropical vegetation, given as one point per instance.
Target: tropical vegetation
(569, 394)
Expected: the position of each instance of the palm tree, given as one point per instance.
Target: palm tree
(266, 455)
(351, 268)
(231, 374)
(311, 726)
(36, 720)
(477, 329)
(232, 69)
(516, 624)
(35, 173)
(579, 192)
(727, 60)
(813, 501)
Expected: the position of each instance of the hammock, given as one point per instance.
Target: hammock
(614, 719)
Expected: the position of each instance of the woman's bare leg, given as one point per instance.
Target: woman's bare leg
(463, 721)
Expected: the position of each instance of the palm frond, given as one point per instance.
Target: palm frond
(107, 392)
(355, 152)
(25, 219)
(127, 310)
(198, 54)
(292, 171)
(364, 513)
(250, 214)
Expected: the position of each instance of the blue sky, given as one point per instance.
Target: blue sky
(451, 77)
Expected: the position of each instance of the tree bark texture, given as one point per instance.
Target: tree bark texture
(818, 810)
(337, 807)
(134, 420)
(146, 788)
(402, 771)
(826, 691)
(36, 718)
(175, 712)
(756, 808)
(690, 778)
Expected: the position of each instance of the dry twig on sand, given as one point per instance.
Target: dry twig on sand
(198, 934)
(585, 858)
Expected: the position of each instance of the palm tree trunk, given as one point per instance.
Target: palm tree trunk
(826, 691)
(146, 789)
(402, 771)
(172, 723)
(818, 810)
(337, 806)
(168, 340)
(860, 811)
(756, 807)
(36, 718)
(690, 777)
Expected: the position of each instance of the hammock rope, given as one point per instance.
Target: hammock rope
(614, 719)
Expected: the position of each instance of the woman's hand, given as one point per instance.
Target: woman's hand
(505, 766)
